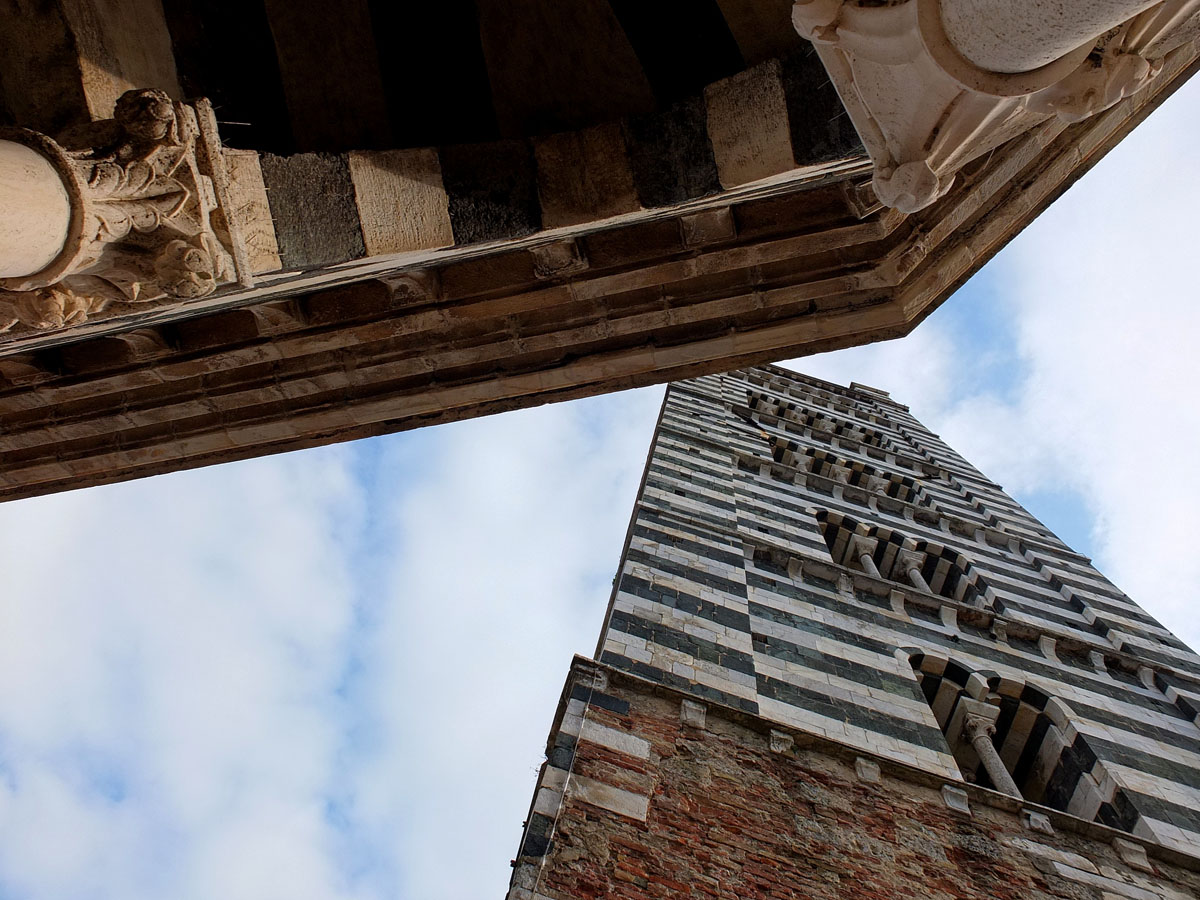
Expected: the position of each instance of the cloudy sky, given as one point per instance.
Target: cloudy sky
(330, 674)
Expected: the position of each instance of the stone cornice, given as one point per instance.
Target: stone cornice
(738, 283)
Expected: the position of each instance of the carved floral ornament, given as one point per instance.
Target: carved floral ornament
(923, 110)
(145, 222)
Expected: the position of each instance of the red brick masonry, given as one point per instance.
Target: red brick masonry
(736, 810)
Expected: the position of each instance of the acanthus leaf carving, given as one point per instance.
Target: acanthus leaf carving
(142, 206)
(923, 110)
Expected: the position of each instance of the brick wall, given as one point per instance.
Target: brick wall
(669, 797)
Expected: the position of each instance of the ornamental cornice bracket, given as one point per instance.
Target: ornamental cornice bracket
(147, 215)
(923, 109)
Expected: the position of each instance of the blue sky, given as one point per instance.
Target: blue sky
(330, 674)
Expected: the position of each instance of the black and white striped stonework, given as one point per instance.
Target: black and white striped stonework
(740, 584)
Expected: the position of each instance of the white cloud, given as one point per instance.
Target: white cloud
(168, 666)
(506, 551)
(261, 681)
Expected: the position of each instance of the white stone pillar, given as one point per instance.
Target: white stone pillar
(979, 730)
(35, 211)
(914, 575)
(863, 549)
(868, 565)
(136, 210)
(910, 562)
(1022, 35)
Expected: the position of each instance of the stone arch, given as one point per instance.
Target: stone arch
(840, 531)
(945, 571)
(1045, 756)
(950, 574)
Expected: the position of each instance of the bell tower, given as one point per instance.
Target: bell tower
(839, 661)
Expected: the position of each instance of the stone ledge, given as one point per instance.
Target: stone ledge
(646, 309)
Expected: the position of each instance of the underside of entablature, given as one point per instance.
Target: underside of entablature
(382, 290)
(739, 278)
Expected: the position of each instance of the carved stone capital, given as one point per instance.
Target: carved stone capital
(978, 726)
(146, 222)
(877, 485)
(860, 544)
(923, 110)
(827, 426)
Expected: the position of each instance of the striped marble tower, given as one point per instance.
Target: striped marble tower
(813, 556)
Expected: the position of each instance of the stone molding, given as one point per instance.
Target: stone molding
(150, 220)
(379, 346)
(923, 111)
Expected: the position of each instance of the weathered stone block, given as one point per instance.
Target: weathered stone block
(312, 205)
(401, 201)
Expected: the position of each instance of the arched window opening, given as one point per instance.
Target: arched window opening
(884, 553)
(1011, 736)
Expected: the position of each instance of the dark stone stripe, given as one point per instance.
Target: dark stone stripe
(705, 551)
(1063, 780)
(685, 602)
(802, 623)
(695, 495)
(856, 672)
(492, 190)
(783, 533)
(670, 679)
(663, 504)
(1022, 662)
(1106, 717)
(770, 506)
(694, 575)
(1141, 761)
(719, 481)
(537, 836)
(1120, 813)
(1187, 665)
(1030, 751)
(693, 646)
(688, 524)
(1005, 581)
(1165, 810)
(1033, 612)
(596, 698)
(690, 471)
(312, 205)
(671, 156)
(834, 708)
(1099, 606)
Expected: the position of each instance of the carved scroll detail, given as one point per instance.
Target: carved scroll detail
(143, 223)
(923, 111)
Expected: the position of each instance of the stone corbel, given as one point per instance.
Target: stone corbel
(877, 485)
(923, 109)
(142, 210)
